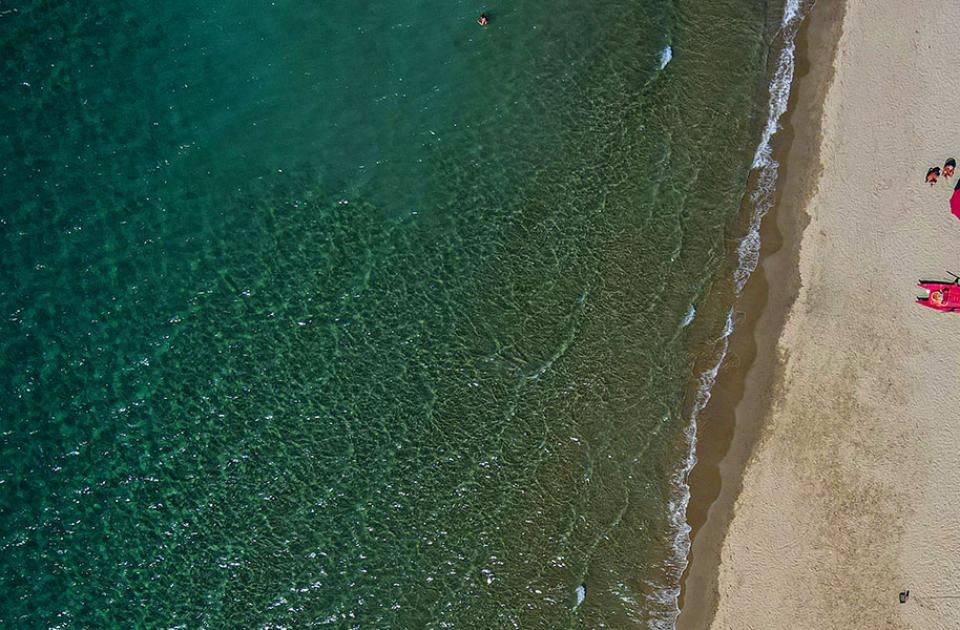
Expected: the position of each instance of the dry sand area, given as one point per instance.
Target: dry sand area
(853, 491)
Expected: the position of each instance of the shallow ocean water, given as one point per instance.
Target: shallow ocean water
(359, 315)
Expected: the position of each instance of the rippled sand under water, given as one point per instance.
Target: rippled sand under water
(360, 316)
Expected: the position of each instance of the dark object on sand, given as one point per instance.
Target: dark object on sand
(932, 175)
(948, 167)
(903, 596)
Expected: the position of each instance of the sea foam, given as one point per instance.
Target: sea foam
(665, 56)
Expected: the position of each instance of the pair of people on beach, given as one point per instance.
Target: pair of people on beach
(935, 172)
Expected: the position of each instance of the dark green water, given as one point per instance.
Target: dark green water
(357, 314)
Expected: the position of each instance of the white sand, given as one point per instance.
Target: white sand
(853, 493)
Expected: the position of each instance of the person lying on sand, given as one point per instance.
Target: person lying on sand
(932, 175)
(948, 167)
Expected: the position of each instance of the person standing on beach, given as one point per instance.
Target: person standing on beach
(932, 175)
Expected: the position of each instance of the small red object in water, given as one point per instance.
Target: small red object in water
(483, 20)
(941, 296)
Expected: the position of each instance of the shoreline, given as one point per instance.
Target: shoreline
(848, 497)
(730, 425)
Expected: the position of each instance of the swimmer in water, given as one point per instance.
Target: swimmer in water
(483, 21)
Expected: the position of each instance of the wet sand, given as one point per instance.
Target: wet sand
(846, 423)
(731, 423)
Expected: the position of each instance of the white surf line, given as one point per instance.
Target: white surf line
(748, 253)
(763, 162)
(677, 507)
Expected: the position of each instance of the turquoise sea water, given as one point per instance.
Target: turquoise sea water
(357, 314)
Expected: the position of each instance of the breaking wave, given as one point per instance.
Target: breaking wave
(665, 56)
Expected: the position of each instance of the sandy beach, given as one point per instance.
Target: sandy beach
(850, 491)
